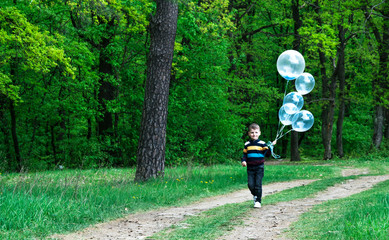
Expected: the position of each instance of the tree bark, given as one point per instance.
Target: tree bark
(106, 91)
(152, 141)
(294, 147)
(339, 128)
(294, 138)
(53, 145)
(15, 136)
(328, 92)
(386, 134)
(342, 81)
(328, 115)
(4, 126)
(378, 126)
(380, 84)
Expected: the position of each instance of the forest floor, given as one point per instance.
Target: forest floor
(273, 218)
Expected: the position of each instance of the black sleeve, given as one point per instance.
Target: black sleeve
(268, 153)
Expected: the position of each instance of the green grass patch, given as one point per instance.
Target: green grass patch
(35, 205)
(379, 166)
(304, 191)
(360, 216)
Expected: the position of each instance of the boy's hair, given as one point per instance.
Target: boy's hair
(254, 126)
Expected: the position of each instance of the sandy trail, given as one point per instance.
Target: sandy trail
(145, 224)
(273, 218)
(270, 221)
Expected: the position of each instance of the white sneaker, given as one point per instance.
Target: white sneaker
(255, 199)
(257, 204)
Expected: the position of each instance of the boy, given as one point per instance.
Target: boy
(254, 153)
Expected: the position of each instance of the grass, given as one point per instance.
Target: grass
(36, 205)
(361, 216)
(379, 166)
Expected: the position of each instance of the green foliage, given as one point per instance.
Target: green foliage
(200, 121)
(59, 126)
(25, 48)
(223, 78)
(374, 154)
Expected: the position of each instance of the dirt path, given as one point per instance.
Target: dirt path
(145, 224)
(274, 219)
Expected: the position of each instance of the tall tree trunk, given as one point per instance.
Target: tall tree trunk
(380, 84)
(339, 128)
(5, 130)
(294, 147)
(15, 136)
(294, 138)
(386, 135)
(328, 93)
(341, 77)
(89, 133)
(107, 89)
(378, 126)
(152, 140)
(106, 92)
(53, 145)
(59, 135)
(284, 145)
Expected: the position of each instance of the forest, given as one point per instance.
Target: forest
(73, 80)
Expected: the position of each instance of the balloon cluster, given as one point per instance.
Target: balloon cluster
(291, 65)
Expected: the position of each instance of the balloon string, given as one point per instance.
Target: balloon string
(278, 127)
(286, 88)
(280, 131)
(279, 135)
(284, 134)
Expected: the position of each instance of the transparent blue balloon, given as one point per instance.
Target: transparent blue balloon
(294, 98)
(302, 121)
(304, 83)
(290, 64)
(285, 118)
(290, 108)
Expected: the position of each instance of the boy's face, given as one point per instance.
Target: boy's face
(254, 133)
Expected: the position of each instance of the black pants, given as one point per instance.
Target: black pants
(254, 179)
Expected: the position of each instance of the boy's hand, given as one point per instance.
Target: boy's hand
(244, 164)
(274, 142)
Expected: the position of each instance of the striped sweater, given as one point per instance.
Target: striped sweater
(254, 152)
